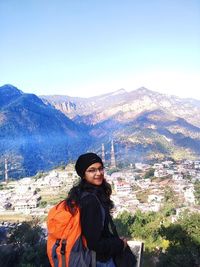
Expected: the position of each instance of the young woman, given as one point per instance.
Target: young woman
(94, 221)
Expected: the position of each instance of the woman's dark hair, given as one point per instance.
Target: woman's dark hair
(103, 192)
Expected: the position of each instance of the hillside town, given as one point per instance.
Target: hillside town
(139, 186)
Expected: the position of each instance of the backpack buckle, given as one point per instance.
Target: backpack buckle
(63, 246)
(57, 242)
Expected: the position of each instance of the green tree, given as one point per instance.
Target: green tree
(110, 171)
(169, 244)
(145, 227)
(149, 173)
(123, 223)
(43, 204)
(197, 192)
(26, 246)
(184, 242)
(191, 224)
(1, 187)
(141, 226)
(169, 195)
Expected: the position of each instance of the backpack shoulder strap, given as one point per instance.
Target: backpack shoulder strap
(103, 213)
(113, 227)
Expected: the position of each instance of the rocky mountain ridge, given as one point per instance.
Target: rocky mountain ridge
(125, 106)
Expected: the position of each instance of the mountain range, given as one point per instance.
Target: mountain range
(40, 132)
(124, 105)
(145, 125)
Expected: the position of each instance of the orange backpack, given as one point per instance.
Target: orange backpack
(66, 247)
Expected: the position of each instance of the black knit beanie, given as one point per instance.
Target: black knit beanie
(84, 161)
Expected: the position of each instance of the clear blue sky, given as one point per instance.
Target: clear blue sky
(89, 47)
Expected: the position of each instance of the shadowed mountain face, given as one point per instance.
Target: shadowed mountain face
(35, 136)
(145, 126)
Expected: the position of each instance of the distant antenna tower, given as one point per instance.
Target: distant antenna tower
(6, 170)
(103, 153)
(113, 163)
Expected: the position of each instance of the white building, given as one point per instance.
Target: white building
(122, 187)
(189, 195)
(177, 177)
(160, 173)
(141, 166)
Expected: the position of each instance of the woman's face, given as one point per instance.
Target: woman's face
(94, 174)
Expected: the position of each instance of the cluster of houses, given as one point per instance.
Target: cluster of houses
(131, 189)
(180, 177)
(24, 195)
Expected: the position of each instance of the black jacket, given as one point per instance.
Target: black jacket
(97, 233)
